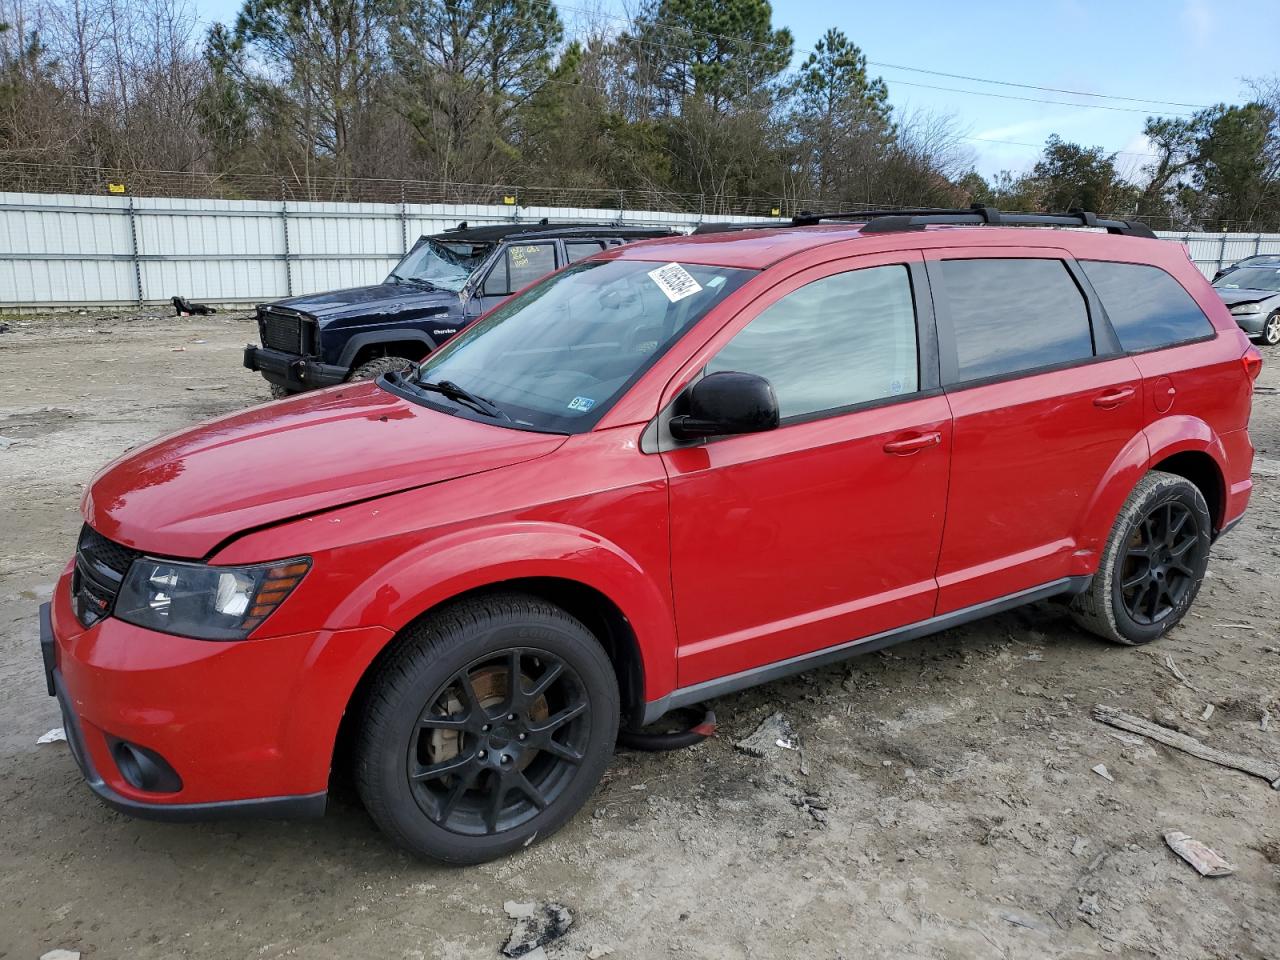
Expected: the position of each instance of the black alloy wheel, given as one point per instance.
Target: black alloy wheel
(1160, 563)
(499, 742)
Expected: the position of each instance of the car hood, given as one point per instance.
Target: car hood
(184, 494)
(381, 298)
(1244, 295)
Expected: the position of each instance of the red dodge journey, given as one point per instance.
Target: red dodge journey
(668, 472)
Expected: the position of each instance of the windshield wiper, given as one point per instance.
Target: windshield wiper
(413, 281)
(459, 394)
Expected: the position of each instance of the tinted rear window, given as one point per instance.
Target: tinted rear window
(1012, 315)
(1148, 308)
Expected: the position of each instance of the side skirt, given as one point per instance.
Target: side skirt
(683, 697)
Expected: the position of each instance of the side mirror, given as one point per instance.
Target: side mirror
(726, 403)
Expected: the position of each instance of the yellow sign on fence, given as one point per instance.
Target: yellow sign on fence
(509, 201)
(115, 188)
(775, 212)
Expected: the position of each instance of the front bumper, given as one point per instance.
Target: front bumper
(1250, 323)
(292, 371)
(248, 727)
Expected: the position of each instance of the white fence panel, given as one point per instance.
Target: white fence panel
(65, 250)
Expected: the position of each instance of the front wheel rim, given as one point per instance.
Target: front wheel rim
(499, 742)
(1159, 563)
(1272, 332)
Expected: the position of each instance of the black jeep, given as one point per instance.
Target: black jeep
(443, 283)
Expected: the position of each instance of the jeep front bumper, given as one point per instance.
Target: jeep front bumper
(292, 371)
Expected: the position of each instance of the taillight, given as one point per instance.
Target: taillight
(1252, 363)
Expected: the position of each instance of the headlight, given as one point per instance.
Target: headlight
(1247, 308)
(207, 603)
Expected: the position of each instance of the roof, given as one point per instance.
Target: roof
(760, 248)
(493, 233)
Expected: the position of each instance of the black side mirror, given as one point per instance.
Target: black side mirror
(726, 403)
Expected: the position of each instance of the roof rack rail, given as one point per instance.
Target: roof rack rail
(889, 221)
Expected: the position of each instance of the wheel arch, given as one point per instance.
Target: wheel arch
(597, 612)
(407, 343)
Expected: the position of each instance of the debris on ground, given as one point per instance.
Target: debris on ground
(209, 386)
(536, 924)
(1208, 863)
(598, 951)
(185, 308)
(773, 734)
(1265, 721)
(5, 443)
(815, 807)
(1102, 771)
(61, 954)
(1078, 848)
(1173, 668)
(4, 328)
(1180, 741)
(1018, 920)
(1208, 712)
(56, 735)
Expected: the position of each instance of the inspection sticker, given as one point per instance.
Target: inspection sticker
(581, 403)
(675, 281)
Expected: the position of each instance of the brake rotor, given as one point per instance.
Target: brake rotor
(491, 689)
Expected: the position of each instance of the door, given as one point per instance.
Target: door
(1044, 402)
(826, 529)
(517, 266)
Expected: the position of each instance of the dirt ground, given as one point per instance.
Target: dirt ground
(954, 775)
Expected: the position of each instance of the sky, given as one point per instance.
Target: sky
(1189, 53)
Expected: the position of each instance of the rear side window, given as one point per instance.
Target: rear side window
(1148, 308)
(839, 341)
(575, 250)
(1013, 315)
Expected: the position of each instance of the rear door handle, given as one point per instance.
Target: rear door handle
(1113, 398)
(909, 445)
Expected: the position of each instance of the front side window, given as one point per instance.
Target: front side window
(559, 355)
(521, 264)
(839, 341)
(1148, 308)
(1012, 315)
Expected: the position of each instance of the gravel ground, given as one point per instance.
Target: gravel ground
(953, 810)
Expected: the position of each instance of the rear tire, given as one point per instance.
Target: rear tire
(1152, 565)
(457, 764)
(373, 369)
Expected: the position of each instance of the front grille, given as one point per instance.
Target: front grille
(100, 568)
(281, 331)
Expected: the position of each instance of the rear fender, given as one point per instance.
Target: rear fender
(1158, 441)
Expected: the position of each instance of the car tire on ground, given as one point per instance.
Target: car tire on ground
(457, 764)
(373, 369)
(1152, 565)
(1271, 330)
(279, 391)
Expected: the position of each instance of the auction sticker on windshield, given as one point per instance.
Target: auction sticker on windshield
(675, 281)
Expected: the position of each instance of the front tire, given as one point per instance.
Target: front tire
(1152, 565)
(373, 369)
(456, 762)
(1271, 330)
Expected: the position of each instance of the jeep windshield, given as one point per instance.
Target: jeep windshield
(439, 263)
(556, 357)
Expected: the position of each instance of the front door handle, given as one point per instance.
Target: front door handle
(1113, 398)
(909, 445)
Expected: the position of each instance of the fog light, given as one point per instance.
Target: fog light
(144, 769)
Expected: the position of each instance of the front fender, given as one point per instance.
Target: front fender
(404, 586)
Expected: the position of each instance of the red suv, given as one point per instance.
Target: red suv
(669, 472)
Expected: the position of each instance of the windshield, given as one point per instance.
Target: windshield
(1251, 278)
(445, 264)
(556, 357)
